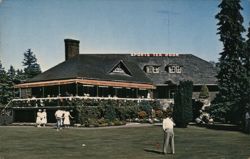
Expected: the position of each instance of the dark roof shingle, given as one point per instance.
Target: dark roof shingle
(98, 66)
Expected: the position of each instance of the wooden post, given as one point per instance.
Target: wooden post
(20, 93)
(115, 92)
(97, 91)
(137, 89)
(76, 88)
(43, 91)
(59, 90)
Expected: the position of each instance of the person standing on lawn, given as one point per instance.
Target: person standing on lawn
(39, 118)
(168, 128)
(44, 118)
(59, 119)
(67, 117)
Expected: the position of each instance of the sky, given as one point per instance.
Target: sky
(109, 26)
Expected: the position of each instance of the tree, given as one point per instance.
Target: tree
(20, 76)
(204, 92)
(11, 73)
(230, 75)
(246, 81)
(3, 85)
(30, 63)
(182, 112)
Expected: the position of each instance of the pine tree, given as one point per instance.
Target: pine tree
(229, 76)
(30, 63)
(246, 64)
(11, 73)
(20, 76)
(12, 80)
(3, 85)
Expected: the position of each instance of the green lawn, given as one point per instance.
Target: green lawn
(120, 143)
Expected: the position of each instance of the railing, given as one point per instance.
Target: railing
(54, 101)
(84, 97)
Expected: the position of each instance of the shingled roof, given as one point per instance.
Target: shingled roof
(98, 66)
(193, 68)
(92, 66)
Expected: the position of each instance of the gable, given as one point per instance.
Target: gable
(120, 69)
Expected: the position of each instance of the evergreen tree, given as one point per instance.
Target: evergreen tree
(246, 64)
(30, 63)
(12, 80)
(204, 92)
(11, 73)
(230, 71)
(3, 85)
(20, 76)
(183, 113)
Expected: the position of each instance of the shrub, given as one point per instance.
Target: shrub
(131, 112)
(197, 105)
(156, 105)
(145, 106)
(91, 122)
(142, 114)
(204, 92)
(159, 113)
(110, 112)
(183, 104)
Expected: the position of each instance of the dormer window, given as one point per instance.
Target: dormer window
(120, 69)
(152, 69)
(174, 69)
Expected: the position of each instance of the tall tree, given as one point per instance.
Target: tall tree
(20, 76)
(229, 76)
(3, 85)
(246, 64)
(32, 68)
(11, 73)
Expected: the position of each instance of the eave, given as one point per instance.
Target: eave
(86, 82)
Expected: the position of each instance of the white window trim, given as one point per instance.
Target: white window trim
(152, 69)
(174, 69)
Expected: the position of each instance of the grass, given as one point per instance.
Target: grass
(120, 143)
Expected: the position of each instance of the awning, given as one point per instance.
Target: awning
(87, 82)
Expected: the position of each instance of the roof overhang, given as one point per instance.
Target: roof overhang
(86, 82)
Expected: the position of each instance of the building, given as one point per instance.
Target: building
(118, 76)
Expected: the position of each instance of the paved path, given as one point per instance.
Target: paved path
(52, 125)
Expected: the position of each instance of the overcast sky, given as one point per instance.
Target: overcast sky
(109, 26)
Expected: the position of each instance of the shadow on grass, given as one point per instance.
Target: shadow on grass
(153, 151)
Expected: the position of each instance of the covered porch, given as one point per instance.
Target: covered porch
(84, 88)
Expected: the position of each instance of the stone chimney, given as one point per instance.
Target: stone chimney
(71, 48)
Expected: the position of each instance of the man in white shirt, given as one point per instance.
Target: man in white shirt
(168, 128)
(59, 117)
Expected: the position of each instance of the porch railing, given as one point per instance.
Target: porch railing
(40, 102)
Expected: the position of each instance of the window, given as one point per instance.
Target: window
(178, 69)
(149, 69)
(152, 69)
(171, 69)
(156, 69)
(174, 69)
(118, 69)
